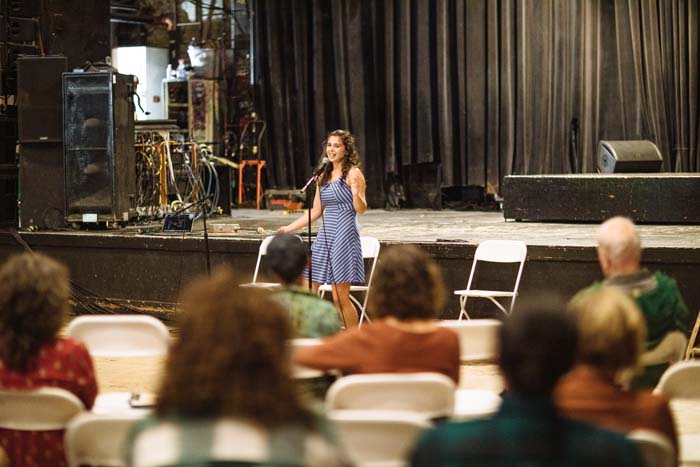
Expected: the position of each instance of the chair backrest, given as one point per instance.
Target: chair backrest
(671, 349)
(680, 381)
(302, 372)
(500, 251)
(40, 409)
(478, 338)
(262, 251)
(93, 439)
(656, 449)
(432, 395)
(120, 335)
(377, 438)
(370, 250)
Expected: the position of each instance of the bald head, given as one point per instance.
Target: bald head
(619, 247)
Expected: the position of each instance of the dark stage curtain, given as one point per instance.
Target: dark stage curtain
(468, 91)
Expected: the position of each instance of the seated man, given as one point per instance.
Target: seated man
(310, 315)
(537, 345)
(657, 295)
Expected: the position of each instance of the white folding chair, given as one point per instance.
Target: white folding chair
(302, 372)
(494, 251)
(478, 338)
(671, 349)
(40, 409)
(472, 404)
(370, 251)
(375, 438)
(680, 381)
(120, 335)
(430, 395)
(262, 251)
(93, 439)
(656, 449)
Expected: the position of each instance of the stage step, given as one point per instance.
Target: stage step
(646, 198)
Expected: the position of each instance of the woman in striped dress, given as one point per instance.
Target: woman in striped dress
(336, 255)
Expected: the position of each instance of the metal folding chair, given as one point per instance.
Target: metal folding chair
(494, 251)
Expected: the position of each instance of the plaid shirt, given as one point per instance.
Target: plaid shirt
(231, 442)
(311, 315)
(525, 432)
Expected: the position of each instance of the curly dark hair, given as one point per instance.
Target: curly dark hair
(231, 356)
(352, 157)
(407, 285)
(34, 291)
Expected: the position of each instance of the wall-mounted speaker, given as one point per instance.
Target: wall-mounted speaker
(628, 156)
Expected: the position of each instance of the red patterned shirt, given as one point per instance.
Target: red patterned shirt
(64, 364)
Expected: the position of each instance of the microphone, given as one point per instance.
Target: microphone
(321, 167)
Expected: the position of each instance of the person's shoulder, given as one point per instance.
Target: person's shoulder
(600, 445)
(355, 172)
(665, 281)
(453, 435)
(70, 346)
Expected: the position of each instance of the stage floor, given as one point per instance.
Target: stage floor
(473, 227)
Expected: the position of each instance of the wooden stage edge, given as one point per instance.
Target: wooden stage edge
(140, 266)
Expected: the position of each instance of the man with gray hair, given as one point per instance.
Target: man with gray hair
(656, 294)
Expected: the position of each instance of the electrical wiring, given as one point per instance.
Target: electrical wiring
(86, 301)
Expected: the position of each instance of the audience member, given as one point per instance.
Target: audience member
(406, 296)
(227, 394)
(658, 297)
(611, 334)
(311, 316)
(537, 345)
(34, 292)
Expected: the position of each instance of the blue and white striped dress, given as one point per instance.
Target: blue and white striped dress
(336, 255)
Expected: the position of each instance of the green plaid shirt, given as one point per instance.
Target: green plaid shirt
(524, 433)
(311, 315)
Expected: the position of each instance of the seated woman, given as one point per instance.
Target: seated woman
(311, 315)
(226, 397)
(612, 336)
(405, 299)
(34, 291)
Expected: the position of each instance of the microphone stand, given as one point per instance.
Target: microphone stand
(309, 203)
(202, 203)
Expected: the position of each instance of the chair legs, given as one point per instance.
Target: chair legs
(362, 307)
(693, 337)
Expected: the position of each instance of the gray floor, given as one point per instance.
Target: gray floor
(419, 225)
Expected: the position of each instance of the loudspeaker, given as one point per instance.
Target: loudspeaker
(40, 98)
(42, 192)
(98, 136)
(24, 8)
(423, 185)
(628, 156)
(18, 30)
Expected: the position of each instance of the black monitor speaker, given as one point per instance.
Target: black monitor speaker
(40, 98)
(628, 156)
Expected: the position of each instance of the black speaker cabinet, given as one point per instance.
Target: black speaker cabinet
(23, 8)
(42, 194)
(628, 156)
(98, 135)
(40, 98)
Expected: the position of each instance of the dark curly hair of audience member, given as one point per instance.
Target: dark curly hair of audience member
(537, 344)
(352, 157)
(231, 356)
(34, 292)
(286, 257)
(407, 285)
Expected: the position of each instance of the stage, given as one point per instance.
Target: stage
(146, 268)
